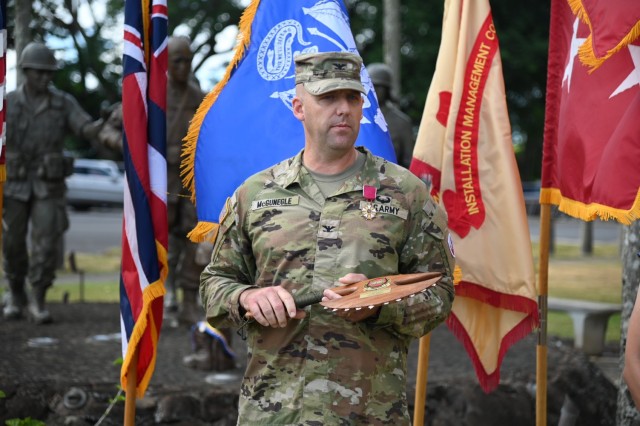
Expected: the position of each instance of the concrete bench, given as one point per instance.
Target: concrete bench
(590, 321)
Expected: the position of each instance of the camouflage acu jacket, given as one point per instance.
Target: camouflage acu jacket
(278, 229)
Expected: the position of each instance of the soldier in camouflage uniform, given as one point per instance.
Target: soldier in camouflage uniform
(38, 119)
(399, 123)
(332, 215)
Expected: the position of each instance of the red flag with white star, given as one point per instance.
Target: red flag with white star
(613, 25)
(592, 132)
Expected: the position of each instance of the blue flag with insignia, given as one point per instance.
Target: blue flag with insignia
(246, 123)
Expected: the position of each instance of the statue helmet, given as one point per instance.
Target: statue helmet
(380, 74)
(36, 55)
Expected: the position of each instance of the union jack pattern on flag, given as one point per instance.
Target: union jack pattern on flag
(3, 88)
(144, 230)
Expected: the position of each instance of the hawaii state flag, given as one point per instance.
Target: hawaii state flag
(464, 148)
(246, 124)
(144, 229)
(592, 122)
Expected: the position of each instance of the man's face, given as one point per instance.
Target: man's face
(37, 80)
(331, 120)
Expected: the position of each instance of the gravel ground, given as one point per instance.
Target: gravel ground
(79, 348)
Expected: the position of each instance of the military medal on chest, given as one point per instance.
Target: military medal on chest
(369, 193)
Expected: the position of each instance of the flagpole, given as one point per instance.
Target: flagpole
(421, 380)
(130, 397)
(541, 349)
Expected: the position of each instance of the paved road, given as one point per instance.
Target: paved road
(97, 230)
(94, 231)
(568, 229)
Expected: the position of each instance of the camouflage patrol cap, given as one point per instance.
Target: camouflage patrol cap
(328, 71)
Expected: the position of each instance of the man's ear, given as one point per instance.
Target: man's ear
(298, 112)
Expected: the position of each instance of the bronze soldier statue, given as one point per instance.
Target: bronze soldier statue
(183, 99)
(108, 143)
(400, 126)
(39, 116)
(185, 257)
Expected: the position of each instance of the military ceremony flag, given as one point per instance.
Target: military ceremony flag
(592, 132)
(3, 90)
(464, 149)
(612, 26)
(246, 124)
(144, 230)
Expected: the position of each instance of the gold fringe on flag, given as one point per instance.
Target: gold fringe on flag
(457, 275)
(3, 173)
(586, 53)
(152, 292)
(207, 231)
(589, 212)
(204, 231)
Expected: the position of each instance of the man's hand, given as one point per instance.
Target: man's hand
(91, 129)
(351, 315)
(270, 306)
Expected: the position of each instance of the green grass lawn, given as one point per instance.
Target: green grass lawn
(596, 278)
(91, 292)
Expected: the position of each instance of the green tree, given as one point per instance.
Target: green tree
(92, 29)
(523, 42)
(204, 19)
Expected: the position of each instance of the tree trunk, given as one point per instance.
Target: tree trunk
(627, 415)
(22, 34)
(391, 43)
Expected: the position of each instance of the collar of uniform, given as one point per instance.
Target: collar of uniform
(288, 172)
(21, 96)
(53, 96)
(370, 174)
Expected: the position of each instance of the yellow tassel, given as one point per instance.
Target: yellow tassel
(588, 56)
(188, 155)
(578, 9)
(586, 53)
(457, 275)
(589, 212)
(204, 231)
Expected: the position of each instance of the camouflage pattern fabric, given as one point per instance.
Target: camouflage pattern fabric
(325, 72)
(278, 229)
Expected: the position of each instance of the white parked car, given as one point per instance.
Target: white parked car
(95, 183)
